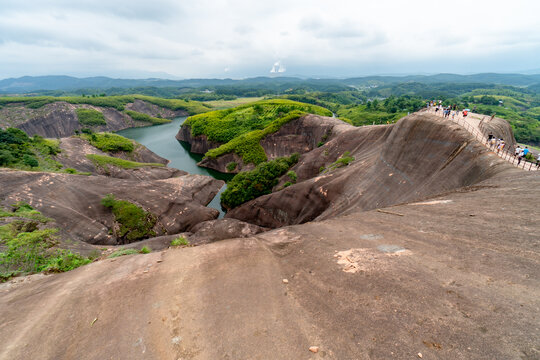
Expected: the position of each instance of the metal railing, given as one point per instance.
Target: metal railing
(482, 136)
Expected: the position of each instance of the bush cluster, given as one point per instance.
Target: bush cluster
(109, 142)
(90, 117)
(116, 102)
(248, 145)
(249, 185)
(133, 222)
(27, 249)
(223, 126)
(342, 161)
(18, 150)
(137, 116)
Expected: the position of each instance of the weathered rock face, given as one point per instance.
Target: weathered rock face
(57, 120)
(500, 129)
(74, 201)
(418, 157)
(221, 163)
(298, 136)
(75, 149)
(368, 285)
(155, 110)
(215, 230)
(199, 144)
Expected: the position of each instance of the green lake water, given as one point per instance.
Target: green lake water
(161, 140)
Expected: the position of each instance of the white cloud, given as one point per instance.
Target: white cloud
(322, 38)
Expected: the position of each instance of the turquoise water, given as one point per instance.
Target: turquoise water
(161, 140)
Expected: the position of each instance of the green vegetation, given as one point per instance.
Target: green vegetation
(137, 116)
(381, 112)
(363, 101)
(27, 249)
(223, 126)
(292, 175)
(192, 107)
(19, 151)
(249, 185)
(122, 252)
(133, 222)
(104, 161)
(90, 117)
(248, 144)
(231, 166)
(115, 102)
(342, 161)
(230, 101)
(23, 210)
(180, 241)
(109, 142)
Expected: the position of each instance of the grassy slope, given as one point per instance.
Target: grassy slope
(240, 129)
(116, 102)
(104, 161)
(226, 104)
(224, 125)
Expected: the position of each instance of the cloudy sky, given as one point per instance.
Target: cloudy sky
(237, 38)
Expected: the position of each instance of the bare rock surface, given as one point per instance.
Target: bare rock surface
(215, 230)
(156, 243)
(198, 144)
(74, 201)
(75, 149)
(419, 156)
(467, 287)
(59, 119)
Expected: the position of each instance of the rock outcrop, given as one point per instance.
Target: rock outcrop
(455, 277)
(215, 230)
(198, 144)
(75, 149)
(74, 201)
(298, 136)
(154, 110)
(418, 157)
(59, 119)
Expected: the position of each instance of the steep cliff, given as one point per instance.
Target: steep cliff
(74, 201)
(418, 157)
(59, 119)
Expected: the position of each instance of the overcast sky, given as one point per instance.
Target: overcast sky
(234, 38)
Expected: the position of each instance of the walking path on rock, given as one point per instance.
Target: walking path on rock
(473, 124)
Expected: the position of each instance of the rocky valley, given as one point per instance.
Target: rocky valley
(405, 240)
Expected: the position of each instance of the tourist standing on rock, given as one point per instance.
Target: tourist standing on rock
(520, 156)
(518, 151)
(465, 112)
(500, 146)
(493, 142)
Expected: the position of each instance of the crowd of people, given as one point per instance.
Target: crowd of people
(496, 144)
(446, 111)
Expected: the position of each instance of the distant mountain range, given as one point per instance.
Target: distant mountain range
(28, 84)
